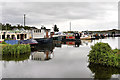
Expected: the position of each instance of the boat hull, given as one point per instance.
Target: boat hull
(44, 40)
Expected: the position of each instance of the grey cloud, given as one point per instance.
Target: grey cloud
(52, 12)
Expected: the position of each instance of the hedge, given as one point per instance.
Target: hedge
(15, 49)
(102, 53)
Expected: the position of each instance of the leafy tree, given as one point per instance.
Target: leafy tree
(102, 53)
(55, 28)
(10, 27)
(43, 27)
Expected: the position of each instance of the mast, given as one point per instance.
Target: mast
(70, 26)
(24, 19)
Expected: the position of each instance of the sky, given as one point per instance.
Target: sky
(82, 15)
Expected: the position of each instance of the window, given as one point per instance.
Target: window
(13, 36)
(40, 30)
(3, 36)
(8, 36)
(18, 36)
(25, 36)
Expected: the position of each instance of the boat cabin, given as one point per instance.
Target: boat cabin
(14, 35)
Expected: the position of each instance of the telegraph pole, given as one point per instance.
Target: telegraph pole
(24, 19)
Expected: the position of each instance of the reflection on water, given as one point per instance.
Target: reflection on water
(20, 57)
(103, 72)
(43, 52)
(86, 42)
(63, 61)
(46, 55)
(72, 43)
(44, 47)
(57, 44)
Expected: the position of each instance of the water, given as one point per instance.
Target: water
(58, 61)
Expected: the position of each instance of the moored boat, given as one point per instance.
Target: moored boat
(44, 40)
(86, 37)
(73, 37)
(28, 41)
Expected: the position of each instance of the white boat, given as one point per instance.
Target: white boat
(85, 37)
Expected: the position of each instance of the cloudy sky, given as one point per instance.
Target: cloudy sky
(82, 15)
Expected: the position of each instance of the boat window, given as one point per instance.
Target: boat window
(18, 36)
(8, 36)
(3, 36)
(40, 30)
(25, 36)
(13, 36)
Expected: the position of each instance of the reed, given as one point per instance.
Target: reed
(18, 57)
(15, 49)
(102, 53)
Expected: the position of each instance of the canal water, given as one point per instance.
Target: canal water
(59, 60)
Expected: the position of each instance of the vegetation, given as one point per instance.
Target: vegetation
(102, 72)
(116, 51)
(102, 53)
(3, 42)
(17, 57)
(8, 26)
(7, 39)
(15, 49)
(55, 28)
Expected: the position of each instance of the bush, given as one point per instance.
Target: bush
(116, 51)
(15, 49)
(7, 39)
(4, 42)
(102, 53)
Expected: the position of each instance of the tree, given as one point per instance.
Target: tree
(55, 28)
(8, 26)
(43, 27)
